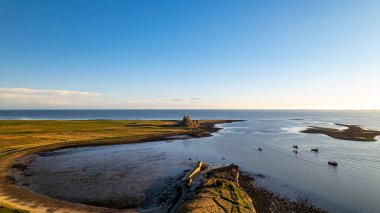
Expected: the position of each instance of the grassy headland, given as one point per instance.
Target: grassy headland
(21, 135)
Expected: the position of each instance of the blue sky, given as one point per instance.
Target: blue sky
(267, 54)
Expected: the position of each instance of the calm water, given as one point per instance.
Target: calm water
(353, 186)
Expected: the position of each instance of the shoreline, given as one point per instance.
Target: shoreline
(17, 197)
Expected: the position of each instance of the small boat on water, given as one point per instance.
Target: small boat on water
(314, 149)
(260, 149)
(332, 163)
(296, 151)
(295, 146)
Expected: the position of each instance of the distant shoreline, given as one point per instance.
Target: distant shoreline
(352, 133)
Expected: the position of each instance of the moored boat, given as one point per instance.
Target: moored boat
(332, 163)
(314, 149)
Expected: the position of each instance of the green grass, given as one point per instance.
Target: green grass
(20, 135)
(218, 195)
(8, 209)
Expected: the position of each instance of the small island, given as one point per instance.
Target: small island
(352, 132)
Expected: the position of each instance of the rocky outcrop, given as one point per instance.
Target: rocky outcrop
(188, 122)
(219, 192)
(353, 132)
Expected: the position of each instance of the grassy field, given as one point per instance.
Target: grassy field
(21, 135)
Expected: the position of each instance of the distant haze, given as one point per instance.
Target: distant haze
(269, 54)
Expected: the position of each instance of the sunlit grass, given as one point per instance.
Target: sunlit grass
(4, 208)
(21, 135)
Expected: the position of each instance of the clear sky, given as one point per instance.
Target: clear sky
(297, 54)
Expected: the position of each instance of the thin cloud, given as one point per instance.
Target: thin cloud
(35, 98)
(178, 100)
(27, 91)
(181, 100)
(195, 100)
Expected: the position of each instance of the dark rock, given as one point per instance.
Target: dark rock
(20, 166)
(11, 179)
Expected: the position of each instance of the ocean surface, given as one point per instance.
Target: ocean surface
(353, 186)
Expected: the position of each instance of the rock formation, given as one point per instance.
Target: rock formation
(219, 192)
(188, 122)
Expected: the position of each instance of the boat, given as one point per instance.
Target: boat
(295, 146)
(332, 163)
(296, 151)
(260, 149)
(314, 149)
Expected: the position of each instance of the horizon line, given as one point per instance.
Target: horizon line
(263, 109)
